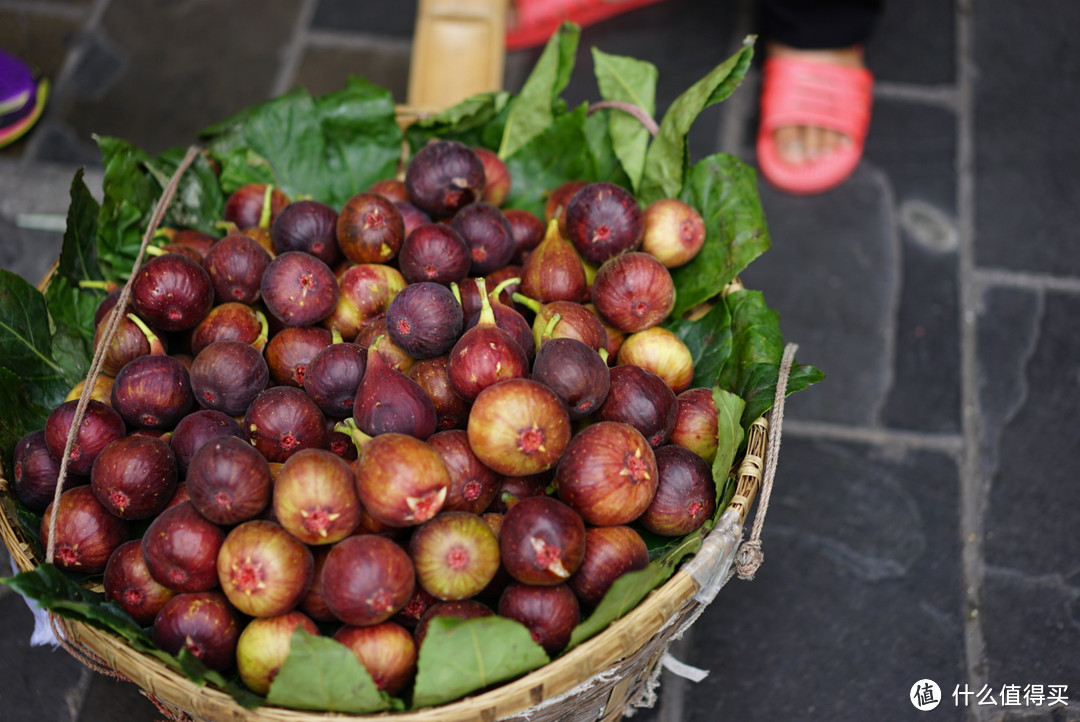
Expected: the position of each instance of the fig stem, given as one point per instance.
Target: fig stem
(156, 347)
(348, 426)
(644, 118)
(529, 303)
(456, 291)
(550, 328)
(87, 283)
(264, 331)
(502, 286)
(228, 226)
(487, 316)
(603, 354)
(264, 215)
(154, 251)
(335, 335)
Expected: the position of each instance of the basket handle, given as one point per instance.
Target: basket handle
(459, 49)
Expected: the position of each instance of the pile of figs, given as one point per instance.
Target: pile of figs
(355, 420)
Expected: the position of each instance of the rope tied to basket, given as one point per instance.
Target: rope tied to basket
(749, 556)
(112, 324)
(80, 652)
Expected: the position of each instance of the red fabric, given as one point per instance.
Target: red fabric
(534, 21)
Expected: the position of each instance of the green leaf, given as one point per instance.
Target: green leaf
(667, 157)
(281, 139)
(25, 409)
(709, 341)
(753, 368)
(724, 190)
(534, 108)
(625, 594)
(729, 435)
(628, 80)
(461, 656)
(129, 194)
(476, 121)
(71, 307)
(363, 140)
(535, 169)
(322, 674)
(602, 163)
(25, 341)
(198, 202)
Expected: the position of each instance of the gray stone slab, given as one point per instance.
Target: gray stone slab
(1033, 494)
(118, 701)
(396, 19)
(1031, 613)
(1025, 137)
(36, 683)
(915, 145)
(185, 66)
(925, 393)
(833, 275)
(323, 70)
(913, 43)
(857, 598)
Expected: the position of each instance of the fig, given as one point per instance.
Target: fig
(472, 484)
(315, 497)
(367, 579)
(226, 376)
(389, 401)
(370, 229)
(633, 292)
(607, 474)
(610, 552)
(204, 623)
(484, 355)
(451, 411)
(456, 555)
(424, 319)
(333, 377)
(642, 399)
(197, 428)
(230, 322)
(264, 645)
(366, 290)
(577, 374)
(86, 533)
(134, 477)
(235, 265)
(386, 650)
(542, 541)
(434, 252)
(488, 235)
(247, 205)
(663, 353)
(518, 427)
(100, 426)
(264, 570)
(128, 582)
(181, 547)
(172, 292)
(603, 220)
(549, 612)
(497, 181)
(443, 177)
(672, 231)
(283, 420)
(36, 472)
(553, 271)
(292, 349)
(696, 424)
(228, 481)
(401, 481)
(685, 496)
(307, 226)
(299, 289)
(153, 392)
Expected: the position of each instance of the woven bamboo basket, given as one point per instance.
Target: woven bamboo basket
(602, 679)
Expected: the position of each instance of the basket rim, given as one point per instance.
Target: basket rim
(622, 638)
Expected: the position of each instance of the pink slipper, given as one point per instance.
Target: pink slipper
(817, 94)
(533, 21)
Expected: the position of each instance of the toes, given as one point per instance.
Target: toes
(790, 145)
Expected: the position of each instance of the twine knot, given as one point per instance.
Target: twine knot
(748, 558)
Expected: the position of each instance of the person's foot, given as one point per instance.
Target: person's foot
(797, 144)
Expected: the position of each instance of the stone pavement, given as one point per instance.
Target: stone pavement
(923, 522)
